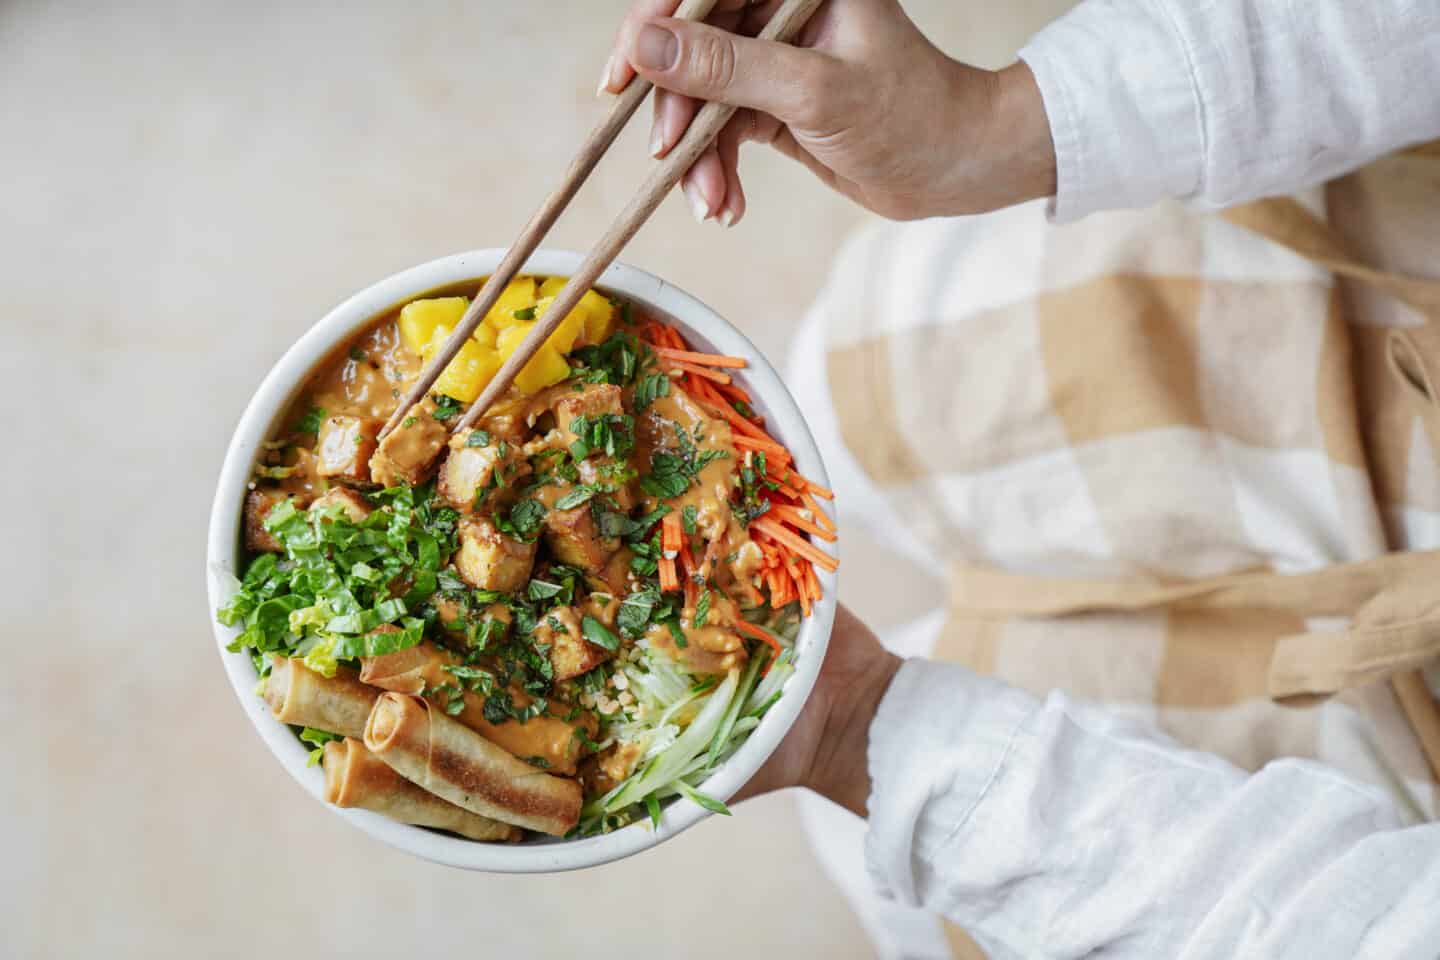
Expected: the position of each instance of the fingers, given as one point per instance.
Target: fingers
(674, 111)
(709, 63)
(704, 185)
(618, 71)
(728, 150)
(712, 186)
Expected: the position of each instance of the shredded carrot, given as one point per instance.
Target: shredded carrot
(771, 448)
(704, 359)
(712, 401)
(734, 392)
(802, 589)
(797, 520)
(788, 557)
(773, 580)
(820, 516)
(748, 628)
(824, 493)
(812, 583)
(697, 370)
(786, 538)
(672, 535)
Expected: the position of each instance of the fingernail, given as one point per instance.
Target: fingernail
(657, 141)
(727, 218)
(698, 206)
(656, 48)
(605, 76)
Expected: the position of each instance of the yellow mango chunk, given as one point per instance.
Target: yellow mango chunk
(420, 318)
(565, 335)
(598, 313)
(600, 316)
(485, 336)
(519, 294)
(471, 370)
(547, 367)
(561, 340)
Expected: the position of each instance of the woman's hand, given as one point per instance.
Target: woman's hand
(826, 748)
(863, 100)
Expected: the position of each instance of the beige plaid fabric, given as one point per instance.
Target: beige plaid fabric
(1182, 464)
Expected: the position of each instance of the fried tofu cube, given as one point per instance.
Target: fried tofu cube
(345, 447)
(573, 539)
(489, 560)
(470, 470)
(570, 654)
(355, 507)
(258, 504)
(408, 453)
(611, 473)
(595, 400)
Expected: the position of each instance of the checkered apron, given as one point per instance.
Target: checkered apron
(1181, 464)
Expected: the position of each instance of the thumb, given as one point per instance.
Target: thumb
(708, 63)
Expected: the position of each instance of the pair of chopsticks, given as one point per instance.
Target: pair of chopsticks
(783, 27)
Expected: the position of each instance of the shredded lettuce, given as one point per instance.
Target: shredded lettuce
(662, 770)
(324, 598)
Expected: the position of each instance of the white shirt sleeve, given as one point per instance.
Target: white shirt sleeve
(1222, 101)
(1056, 830)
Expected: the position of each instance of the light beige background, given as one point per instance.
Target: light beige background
(184, 188)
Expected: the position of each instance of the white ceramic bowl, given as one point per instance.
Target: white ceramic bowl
(705, 330)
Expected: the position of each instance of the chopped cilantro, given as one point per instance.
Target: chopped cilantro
(651, 388)
(523, 521)
(577, 497)
(599, 634)
(610, 433)
(446, 407)
(310, 423)
(616, 361)
(542, 589)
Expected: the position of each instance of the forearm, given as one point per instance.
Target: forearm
(1229, 100)
(1059, 830)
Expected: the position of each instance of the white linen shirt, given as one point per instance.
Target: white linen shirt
(1057, 830)
(1222, 101)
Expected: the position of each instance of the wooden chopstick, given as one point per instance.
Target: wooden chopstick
(783, 27)
(581, 167)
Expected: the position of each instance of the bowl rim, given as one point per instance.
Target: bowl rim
(709, 331)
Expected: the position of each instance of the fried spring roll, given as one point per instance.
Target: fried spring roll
(457, 764)
(422, 668)
(298, 695)
(355, 777)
